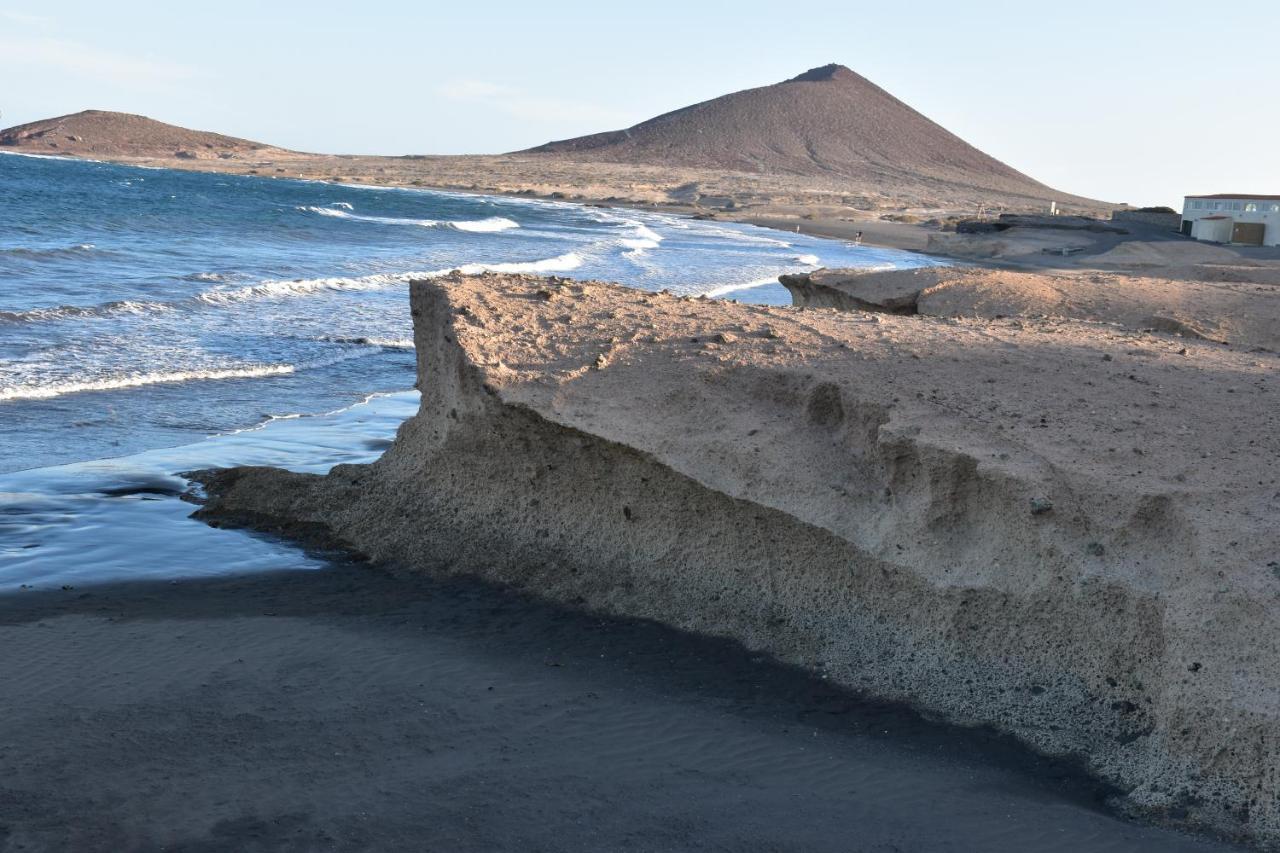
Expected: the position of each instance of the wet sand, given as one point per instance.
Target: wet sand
(348, 709)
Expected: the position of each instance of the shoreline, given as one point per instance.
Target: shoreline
(813, 208)
(351, 707)
(876, 232)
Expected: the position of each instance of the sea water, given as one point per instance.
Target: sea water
(156, 321)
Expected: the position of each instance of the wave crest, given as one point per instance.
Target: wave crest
(136, 380)
(725, 289)
(285, 288)
(489, 225)
(560, 263)
(62, 312)
(299, 287)
(59, 389)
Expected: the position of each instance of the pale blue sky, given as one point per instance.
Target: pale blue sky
(1127, 101)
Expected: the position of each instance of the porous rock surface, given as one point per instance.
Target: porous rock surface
(1238, 312)
(1065, 532)
(888, 291)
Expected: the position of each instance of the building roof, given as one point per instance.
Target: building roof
(1240, 196)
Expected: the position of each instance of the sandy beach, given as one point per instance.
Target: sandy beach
(349, 709)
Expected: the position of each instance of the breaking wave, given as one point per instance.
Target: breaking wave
(283, 289)
(489, 225)
(384, 343)
(726, 289)
(644, 238)
(136, 380)
(62, 312)
(301, 287)
(560, 263)
(59, 389)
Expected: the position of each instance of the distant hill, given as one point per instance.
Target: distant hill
(110, 135)
(828, 122)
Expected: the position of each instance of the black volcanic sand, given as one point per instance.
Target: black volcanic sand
(347, 709)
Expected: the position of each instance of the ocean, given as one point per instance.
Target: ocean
(155, 321)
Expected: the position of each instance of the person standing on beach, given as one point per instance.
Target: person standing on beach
(857, 238)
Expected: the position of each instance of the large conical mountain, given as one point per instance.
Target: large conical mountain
(828, 122)
(106, 134)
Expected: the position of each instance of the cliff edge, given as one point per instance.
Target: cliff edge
(1065, 532)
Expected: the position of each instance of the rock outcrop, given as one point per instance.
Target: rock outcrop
(1066, 533)
(884, 291)
(1242, 313)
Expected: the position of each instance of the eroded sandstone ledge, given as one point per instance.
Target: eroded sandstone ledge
(1245, 313)
(1067, 533)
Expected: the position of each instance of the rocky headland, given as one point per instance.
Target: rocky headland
(1062, 529)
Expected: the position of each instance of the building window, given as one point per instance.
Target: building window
(1275, 208)
(1251, 208)
(1235, 205)
(1196, 205)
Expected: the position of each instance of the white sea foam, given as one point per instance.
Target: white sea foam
(300, 287)
(65, 157)
(380, 281)
(59, 389)
(489, 225)
(389, 343)
(385, 343)
(811, 260)
(560, 263)
(49, 390)
(286, 288)
(62, 312)
(639, 244)
(642, 239)
(725, 289)
(745, 234)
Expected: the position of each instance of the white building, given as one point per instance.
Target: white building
(1249, 220)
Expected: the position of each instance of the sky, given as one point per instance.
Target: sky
(1127, 100)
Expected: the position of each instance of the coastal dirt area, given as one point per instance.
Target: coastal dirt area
(348, 709)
